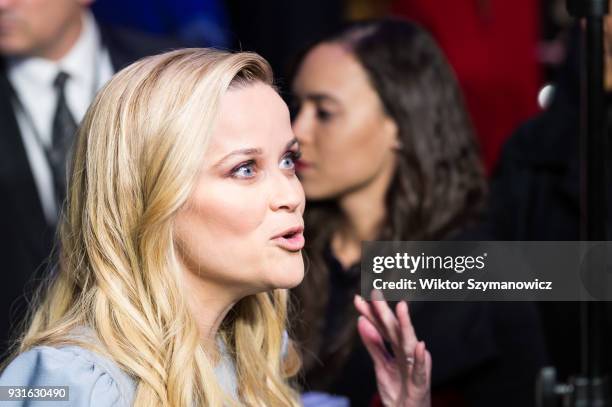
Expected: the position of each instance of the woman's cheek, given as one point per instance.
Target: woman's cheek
(241, 209)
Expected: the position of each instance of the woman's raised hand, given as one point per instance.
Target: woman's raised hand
(403, 378)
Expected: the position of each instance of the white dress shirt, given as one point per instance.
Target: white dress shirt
(89, 67)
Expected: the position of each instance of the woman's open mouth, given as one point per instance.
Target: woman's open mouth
(291, 240)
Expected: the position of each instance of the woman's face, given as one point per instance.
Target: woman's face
(347, 140)
(241, 229)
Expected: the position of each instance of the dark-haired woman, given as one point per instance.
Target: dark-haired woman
(389, 154)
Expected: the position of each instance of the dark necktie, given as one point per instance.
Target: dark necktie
(63, 131)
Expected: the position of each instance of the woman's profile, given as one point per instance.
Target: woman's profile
(389, 154)
(181, 234)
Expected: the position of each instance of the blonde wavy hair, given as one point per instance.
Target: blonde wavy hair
(136, 160)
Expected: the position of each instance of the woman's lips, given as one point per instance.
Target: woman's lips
(292, 243)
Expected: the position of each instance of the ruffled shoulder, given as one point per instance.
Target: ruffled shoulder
(92, 379)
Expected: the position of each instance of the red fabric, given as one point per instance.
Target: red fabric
(492, 46)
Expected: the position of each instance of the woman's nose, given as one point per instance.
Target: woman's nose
(287, 193)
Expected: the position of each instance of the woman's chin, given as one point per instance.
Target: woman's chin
(289, 275)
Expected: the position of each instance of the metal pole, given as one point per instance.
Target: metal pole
(594, 173)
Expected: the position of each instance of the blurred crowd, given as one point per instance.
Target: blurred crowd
(417, 120)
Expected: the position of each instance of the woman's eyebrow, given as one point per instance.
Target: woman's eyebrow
(251, 151)
(321, 97)
(242, 151)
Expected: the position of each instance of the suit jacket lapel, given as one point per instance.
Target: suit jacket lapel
(16, 180)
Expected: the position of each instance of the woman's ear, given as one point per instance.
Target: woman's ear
(397, 144)
(392, 132)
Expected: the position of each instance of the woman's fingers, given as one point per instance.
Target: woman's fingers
(408, 337)
(378, 321)
(422, 366)
(365, 309)
(373, 341)
(386, 317)
(396, 328)
(406, 376)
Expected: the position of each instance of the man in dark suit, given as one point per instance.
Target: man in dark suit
(54, 58)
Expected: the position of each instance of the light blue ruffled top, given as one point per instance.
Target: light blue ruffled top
(92, 379)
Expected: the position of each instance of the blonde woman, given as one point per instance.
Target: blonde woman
(182, 231)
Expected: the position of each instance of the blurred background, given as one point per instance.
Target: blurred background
(504, 53)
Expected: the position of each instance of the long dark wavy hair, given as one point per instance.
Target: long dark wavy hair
(438, 187)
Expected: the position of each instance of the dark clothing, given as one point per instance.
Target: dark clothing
(536, 187)
(535, 195)
(535, 192)
(484, 354)
(27, 239)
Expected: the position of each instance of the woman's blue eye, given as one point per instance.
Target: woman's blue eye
(244, 171)
(288, 161)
